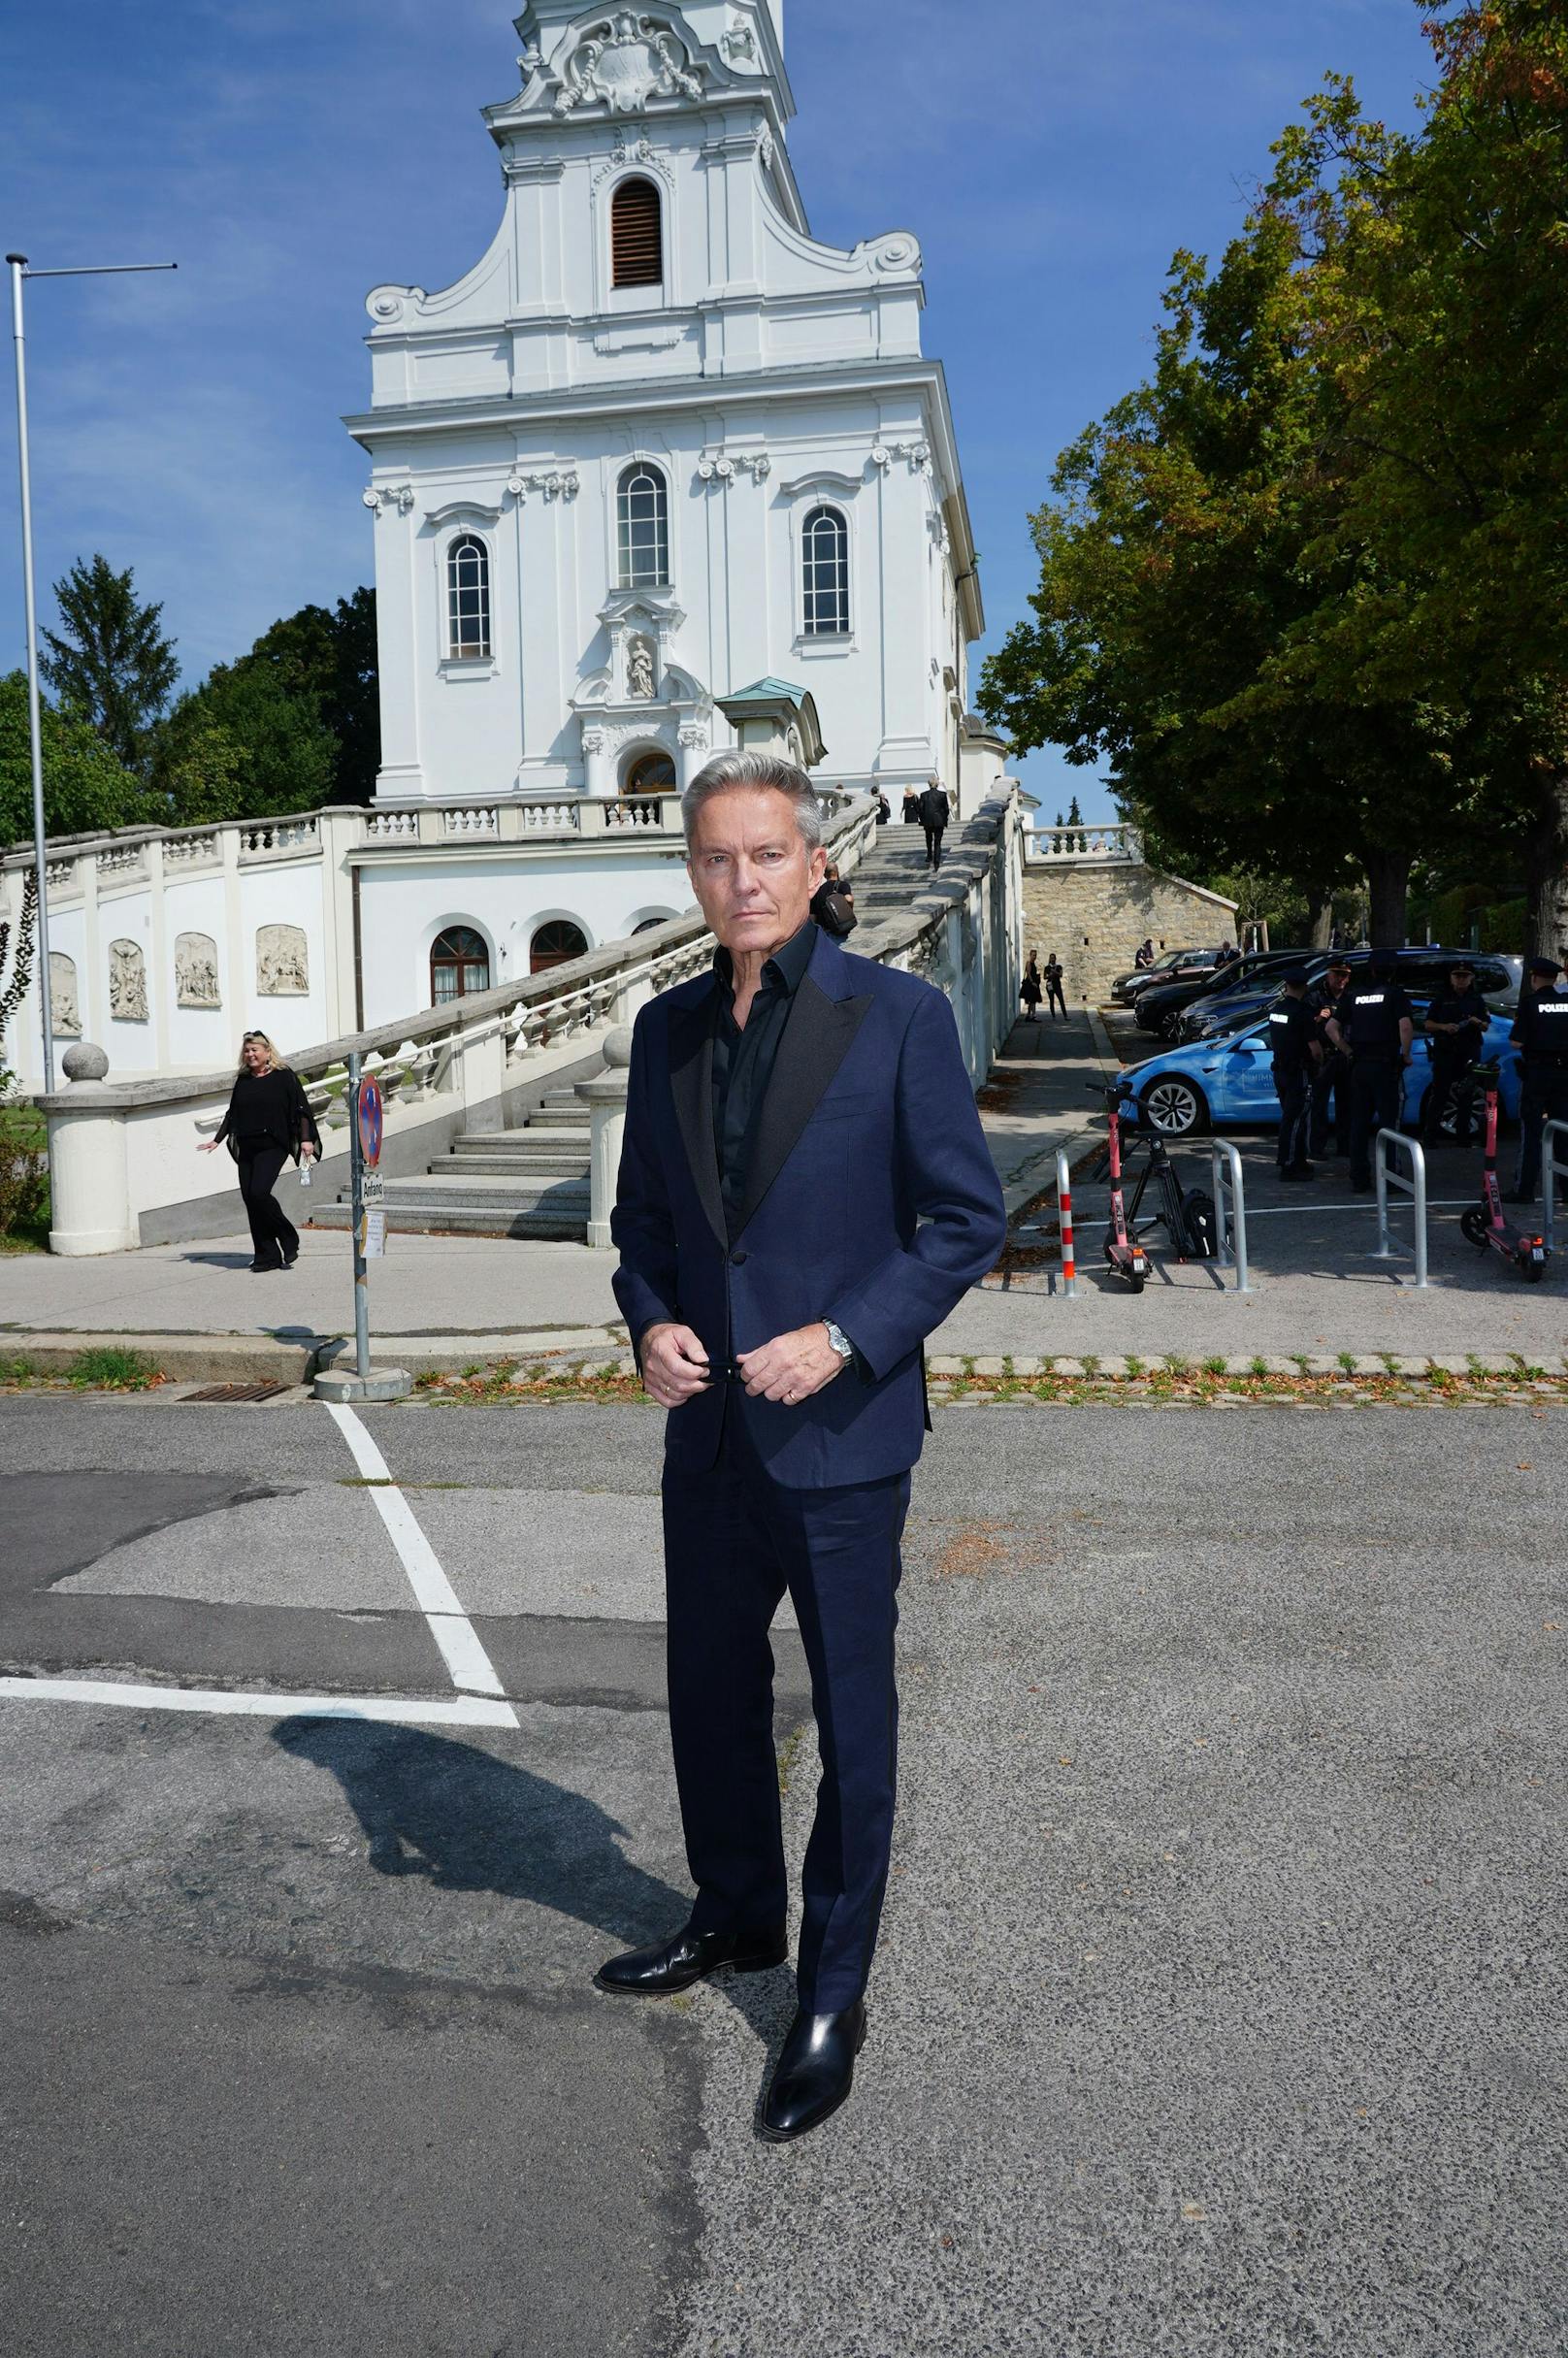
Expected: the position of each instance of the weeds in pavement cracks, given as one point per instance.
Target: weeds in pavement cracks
(1173, 1383)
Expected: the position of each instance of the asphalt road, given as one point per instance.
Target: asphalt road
(1220, 2004)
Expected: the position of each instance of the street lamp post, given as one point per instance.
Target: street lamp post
(17, 266)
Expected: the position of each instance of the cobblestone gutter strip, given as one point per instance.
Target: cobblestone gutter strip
(1306, 1382)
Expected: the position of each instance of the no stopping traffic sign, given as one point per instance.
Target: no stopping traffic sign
(372, 1122)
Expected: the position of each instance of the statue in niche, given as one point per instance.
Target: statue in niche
(639, 670)
(64, 1012)
(127, 983)
(282, 962)
(196, 971)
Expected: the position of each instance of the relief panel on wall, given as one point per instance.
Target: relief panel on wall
(282, 962)
(196, 971)
(127, 983)
(64, 1012)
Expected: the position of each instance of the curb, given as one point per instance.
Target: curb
(208, 1359)
(247, 1359)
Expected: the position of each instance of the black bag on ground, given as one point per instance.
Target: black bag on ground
(1202, 1221)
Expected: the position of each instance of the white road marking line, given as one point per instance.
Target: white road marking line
(454, 1711)
(437, 1600)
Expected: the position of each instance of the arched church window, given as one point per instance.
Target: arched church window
(468, 600)
(459, 964)
(554, 943)
(824, 573)
(642, 511)
(651, 774)
(636, 239)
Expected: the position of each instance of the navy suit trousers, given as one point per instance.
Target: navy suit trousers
(734, 1541)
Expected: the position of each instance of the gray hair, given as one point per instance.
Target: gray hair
(761, 773)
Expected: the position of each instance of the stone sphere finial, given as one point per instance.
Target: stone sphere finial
(618, 1047)
(84, 1063)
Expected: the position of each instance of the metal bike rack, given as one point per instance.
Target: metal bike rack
(1415, 1186)
(1549, 1170)
(1070, 1266)
(1230, 1204)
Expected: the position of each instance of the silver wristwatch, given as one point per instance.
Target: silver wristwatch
(839, 1340)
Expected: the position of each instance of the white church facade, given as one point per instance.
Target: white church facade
(661, 474)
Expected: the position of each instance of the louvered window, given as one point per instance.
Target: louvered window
(637, 245)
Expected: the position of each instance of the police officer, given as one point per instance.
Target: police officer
(1541, 1031)
(1457, 1025)
(1376, 1022)
(1293, 1036)
(1332, 1074)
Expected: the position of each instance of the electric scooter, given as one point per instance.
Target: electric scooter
(1126, 1256)
(1484, 1224)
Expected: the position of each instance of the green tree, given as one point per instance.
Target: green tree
(1185, 553)
(1437, 269)
(245, 745)
(288, 726)
(112, 664)
(85, 789)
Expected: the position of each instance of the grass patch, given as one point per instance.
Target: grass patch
(107, 1369)
(17, 1371)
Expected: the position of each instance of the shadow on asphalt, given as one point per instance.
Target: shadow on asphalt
(466, 1821)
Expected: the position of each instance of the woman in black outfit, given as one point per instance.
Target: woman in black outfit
(269, 1123)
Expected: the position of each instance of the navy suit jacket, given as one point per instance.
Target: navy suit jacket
(871, 1200)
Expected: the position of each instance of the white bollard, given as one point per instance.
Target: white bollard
(90, 1205)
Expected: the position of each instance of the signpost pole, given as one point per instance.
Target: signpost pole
(367, 1195)
(356, 1168)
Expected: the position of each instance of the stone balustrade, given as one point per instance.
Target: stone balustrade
(1058, 845)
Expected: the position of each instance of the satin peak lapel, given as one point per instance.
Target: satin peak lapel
(816, 1042)
(691, 1085)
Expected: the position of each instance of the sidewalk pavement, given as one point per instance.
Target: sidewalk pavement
(445, 1301)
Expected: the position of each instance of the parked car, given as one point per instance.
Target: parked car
(1422, 973)
(1160, 1008)
(1165, 968)
(1228, 1083)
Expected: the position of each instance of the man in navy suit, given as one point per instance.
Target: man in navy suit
(804, 1194)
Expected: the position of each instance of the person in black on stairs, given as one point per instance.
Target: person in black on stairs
(935, 812)
(267, 1122)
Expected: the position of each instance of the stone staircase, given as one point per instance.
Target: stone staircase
(527, 1182)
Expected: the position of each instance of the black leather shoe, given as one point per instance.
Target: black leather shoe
(262, 1268)
(659, 1971)
(815, 2074)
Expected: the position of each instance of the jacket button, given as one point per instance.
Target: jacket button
(736, 1260)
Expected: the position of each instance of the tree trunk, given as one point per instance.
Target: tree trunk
(1323, 923)
(1545, 872)
(1387, 878)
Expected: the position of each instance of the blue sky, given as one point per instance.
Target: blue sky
(290, 153)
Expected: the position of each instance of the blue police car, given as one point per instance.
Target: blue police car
(1228, 1083)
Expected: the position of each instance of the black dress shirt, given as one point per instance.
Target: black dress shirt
(743, 1059)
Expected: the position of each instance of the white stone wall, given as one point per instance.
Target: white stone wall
(404, 907)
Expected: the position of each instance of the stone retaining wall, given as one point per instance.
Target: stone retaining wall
(1095, 913)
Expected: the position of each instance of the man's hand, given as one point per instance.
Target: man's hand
(674, 1364)
(792, 1367)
